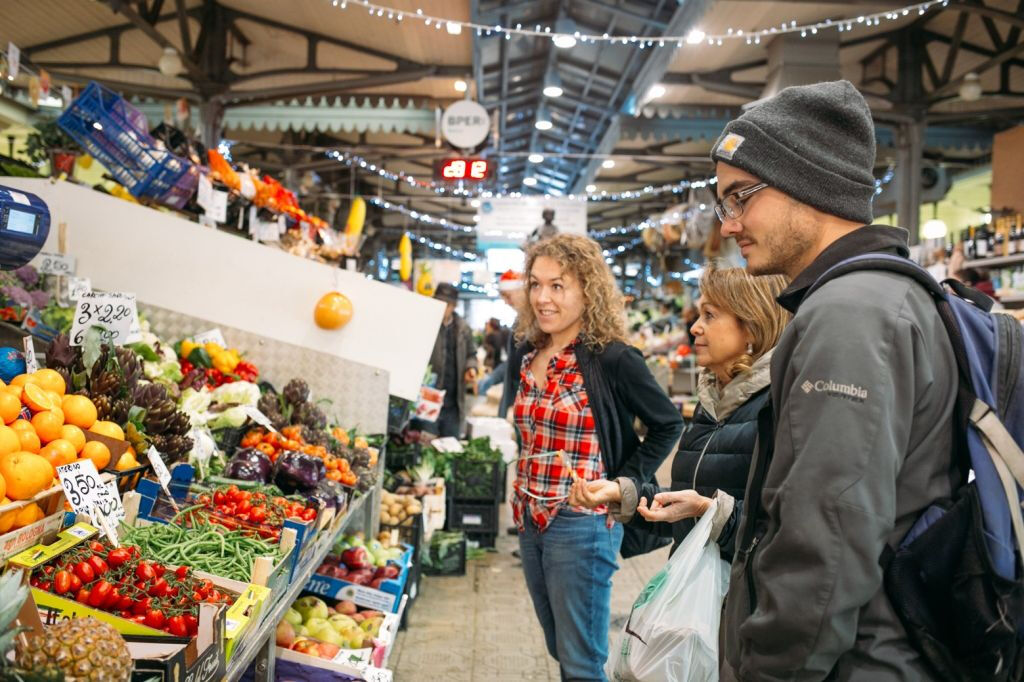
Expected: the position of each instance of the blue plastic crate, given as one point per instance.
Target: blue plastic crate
(115, 133)
(387, 598)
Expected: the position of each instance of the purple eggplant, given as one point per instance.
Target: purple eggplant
(297, 472)
(331, 493)
(249, 464)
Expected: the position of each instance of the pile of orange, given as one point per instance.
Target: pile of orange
(42, 429)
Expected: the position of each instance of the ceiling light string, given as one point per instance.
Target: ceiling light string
(565, 39)
(437, 246)
(422, 217)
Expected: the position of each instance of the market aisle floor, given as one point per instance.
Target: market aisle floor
(481, 626)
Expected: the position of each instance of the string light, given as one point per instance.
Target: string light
(694, 37)
(437, 246)
(622, 248)
(421, 217)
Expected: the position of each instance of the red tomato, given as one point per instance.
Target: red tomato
(99, 566)
(62, 582)
(85, 572)
(177, 627)
(155, 618)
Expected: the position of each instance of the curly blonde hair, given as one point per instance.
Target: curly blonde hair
(751, 299)
(604, 315)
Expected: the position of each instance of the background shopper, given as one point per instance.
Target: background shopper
(454, 361)
(737, 329)
(863, 389)
(580, 389)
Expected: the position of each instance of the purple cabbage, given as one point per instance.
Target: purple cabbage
(249, 464)
(297, 472)
(40, 299)
(17, 295)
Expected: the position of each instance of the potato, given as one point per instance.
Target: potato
(407, 522)
(385, 518)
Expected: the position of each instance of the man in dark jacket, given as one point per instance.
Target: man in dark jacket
(454, 361)
(863, 386)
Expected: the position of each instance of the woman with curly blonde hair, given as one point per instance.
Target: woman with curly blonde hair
(580, 390)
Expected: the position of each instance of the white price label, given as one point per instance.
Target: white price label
(79, 287)
(207, 221)
(204, 193)
(116, 314)
(31, 364)
(247, 188)
(159, 468)
(81, 482)
(447, 444)
(56, 264)
(254, 414)
(65, 94)
(267, 232)
(118, 512)
(212, 336)
(218, 210)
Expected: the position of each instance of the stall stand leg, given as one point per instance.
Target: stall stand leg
(263, 665)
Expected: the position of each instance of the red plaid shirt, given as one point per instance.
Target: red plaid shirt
(551, 418)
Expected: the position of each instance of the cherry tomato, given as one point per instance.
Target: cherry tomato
(258, 514)
(85, 572)
(159, 588)
(99, 566)
(45, 585)
(159, 569)
(76, 582)
(119, 556)
(244, 506)
(191, 624)
(309, 514)
(62, 582)
(144, 571)
(219, 498)
(125, 603)
(177, 627)
(97, 546)
(140, 619)
(181, 572)
(113, 601)
(99, 593)
(155, 618)
(48, 570)
(142, 606)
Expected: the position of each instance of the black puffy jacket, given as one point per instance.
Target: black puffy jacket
(712, 455)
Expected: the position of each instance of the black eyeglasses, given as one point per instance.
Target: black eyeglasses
(730, 207)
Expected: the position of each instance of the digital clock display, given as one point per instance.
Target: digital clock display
(453, 170)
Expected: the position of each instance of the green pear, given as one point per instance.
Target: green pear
(293, 617)
(371, 626)
(310, 607)
(326, 633)
(341, 622)
(313, 624)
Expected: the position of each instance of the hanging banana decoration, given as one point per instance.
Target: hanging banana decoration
(354, 225)
(405, 258)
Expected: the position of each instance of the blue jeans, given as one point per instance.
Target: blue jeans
(569, 570)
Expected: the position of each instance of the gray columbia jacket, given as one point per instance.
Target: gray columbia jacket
(863, 387)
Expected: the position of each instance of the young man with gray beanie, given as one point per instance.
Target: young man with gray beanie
(858, 441)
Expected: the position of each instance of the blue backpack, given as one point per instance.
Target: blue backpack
(957, 579)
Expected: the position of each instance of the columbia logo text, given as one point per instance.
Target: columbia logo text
(847, 391)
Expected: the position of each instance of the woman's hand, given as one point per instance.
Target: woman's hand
(674, 506)
(591, 494)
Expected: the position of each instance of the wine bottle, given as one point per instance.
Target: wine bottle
(982, 245)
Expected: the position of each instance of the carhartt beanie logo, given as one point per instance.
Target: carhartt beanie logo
(815, 143)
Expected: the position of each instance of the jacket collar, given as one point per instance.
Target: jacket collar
(720, 403)
(870, 239)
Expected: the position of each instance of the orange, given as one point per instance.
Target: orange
(29, 441)
(22, 425)
(71, 433)
(7, 518)
(37, 398)
(108, 429)
(51, 380)
(79, 410)
(10, 407)
(126, 462)
(58, 411)
(55, 398)
(16, 391)
(20, 380)
(26, 474)
(97, 452)
(27, 515)
(59, 452)
(333, 311)
(9, 441)
(47, 425)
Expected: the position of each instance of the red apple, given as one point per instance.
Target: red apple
(328, 651)
(347, 607)
(356, 558)
(310, 647)
(376, 583)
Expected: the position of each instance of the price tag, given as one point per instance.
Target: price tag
(204, 193)
(212, 336)
(207, 221)
(254, 414)
(79, 287)
(159, 468)
(81, 482)
(118, 512)
(247, 188)
(218, 210)
(448, 444)
(65, 94)
(31, 364)
(115, 313)
(56, 264)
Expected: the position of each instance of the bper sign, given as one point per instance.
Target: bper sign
(465, 124)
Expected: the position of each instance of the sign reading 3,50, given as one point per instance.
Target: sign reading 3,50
(114, 313)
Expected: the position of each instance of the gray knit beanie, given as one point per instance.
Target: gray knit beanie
(815, 143)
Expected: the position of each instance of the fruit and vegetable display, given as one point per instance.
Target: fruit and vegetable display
(362, 563)
(161, 595)
(212, 365)
(314, 627)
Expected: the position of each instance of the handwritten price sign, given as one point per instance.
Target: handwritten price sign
(114, 313)
(56, 264)
(88, 495)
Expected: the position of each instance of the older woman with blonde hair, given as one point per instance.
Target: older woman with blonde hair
(580, 390)
(740, 322)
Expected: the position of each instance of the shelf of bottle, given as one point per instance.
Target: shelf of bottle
(1015, 259)
(1012, 300)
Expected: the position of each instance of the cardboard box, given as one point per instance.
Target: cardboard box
(243, 616)
(200, 659)
(387, 599)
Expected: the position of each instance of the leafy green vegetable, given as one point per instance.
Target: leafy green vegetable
(145, 351)
(200, 358)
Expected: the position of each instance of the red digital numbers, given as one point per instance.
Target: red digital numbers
(463, 169)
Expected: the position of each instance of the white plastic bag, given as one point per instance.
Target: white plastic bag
(672, 632)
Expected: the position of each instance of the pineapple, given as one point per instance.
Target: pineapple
(12, 595)
(83, 649)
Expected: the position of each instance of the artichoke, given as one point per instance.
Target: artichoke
(296, 392)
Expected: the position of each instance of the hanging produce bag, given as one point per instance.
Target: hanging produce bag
(672, 632)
